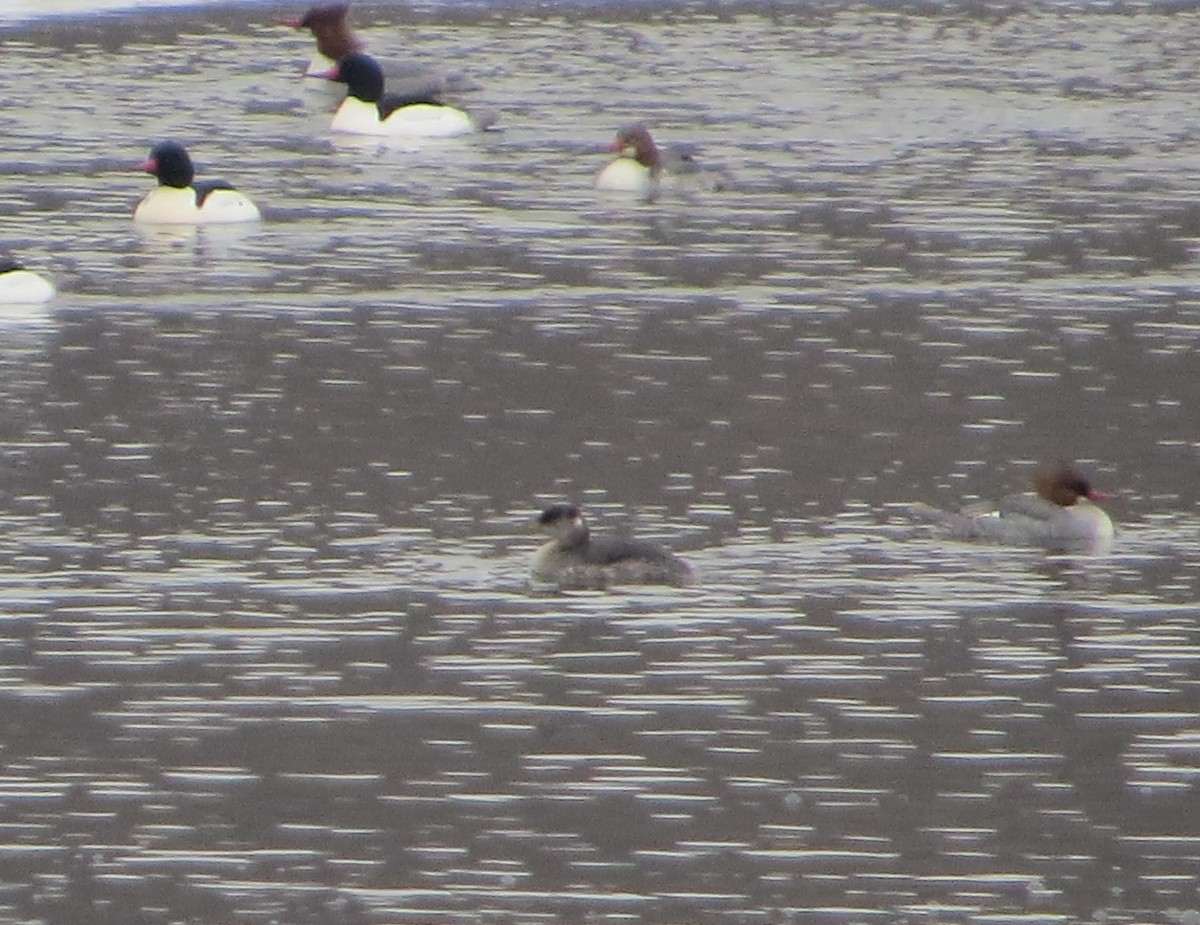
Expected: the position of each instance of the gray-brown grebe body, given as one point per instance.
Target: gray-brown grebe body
(574, 558)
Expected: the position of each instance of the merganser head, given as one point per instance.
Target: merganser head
(1064, 485)
(562, 521)
(635, 141)
(169, 162)
(322, 16)
(362, 76)
(330, 26)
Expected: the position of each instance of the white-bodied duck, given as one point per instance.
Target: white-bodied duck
(179, 200)
(642, 168)
(367, 110)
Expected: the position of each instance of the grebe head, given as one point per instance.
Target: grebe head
(169, 162)
(574, 558)
(562, 521)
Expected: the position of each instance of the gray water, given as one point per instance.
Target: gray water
(268, 650)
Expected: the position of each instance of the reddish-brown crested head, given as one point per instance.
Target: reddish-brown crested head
(1064, 485)
(330, 26)
(635, 141)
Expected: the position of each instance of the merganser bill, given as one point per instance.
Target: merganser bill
(573, 558)
(367, 111)
(330, 26)
(1062, 516)
(178, 201)
(19, 286)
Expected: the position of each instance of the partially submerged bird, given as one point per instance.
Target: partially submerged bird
(367, 110)
(178, 200)
(330, 26)
(19, 286)
(1063, 515)
(573, 558)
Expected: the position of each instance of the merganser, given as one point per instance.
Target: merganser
(638, 166)
(1063, 516)
(176, 201)
(367, 111)
(19, 286)
(573, 558)
(643, 168)
(330, 26)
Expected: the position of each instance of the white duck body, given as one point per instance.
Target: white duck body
(168, 205)
(416, 120)
(177, 201)
(626, 175)
(1084, 526)
(19, 286)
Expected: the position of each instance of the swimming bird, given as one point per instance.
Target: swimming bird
(1062, 515)
(637, 168)
(368, 111)
(330, 26)
(573, 558)
(19, 286)
(643, 169)
(178, 201)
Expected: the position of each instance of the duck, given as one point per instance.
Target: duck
(573, 558)
(330, 26)
(637, 167)
(19, 286)
(643, 169)
(1062, 514)
(177, 200)
(368, 111)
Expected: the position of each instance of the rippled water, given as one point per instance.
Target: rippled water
(267, 650)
